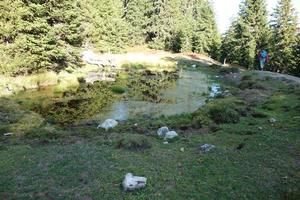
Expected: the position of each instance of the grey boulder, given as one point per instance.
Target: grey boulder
(131, 182)
(108, 124)
(207, 147)
(162, 131)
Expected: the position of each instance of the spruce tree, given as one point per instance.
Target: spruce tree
(136, 18)
(284, 42)
(295, 69)
(104, 27)
(230, 45)
(251, 32)
(37, 35)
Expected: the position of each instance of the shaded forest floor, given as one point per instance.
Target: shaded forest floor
(255, 157)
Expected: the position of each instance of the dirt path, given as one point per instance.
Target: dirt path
(278, 76)
(150, 56)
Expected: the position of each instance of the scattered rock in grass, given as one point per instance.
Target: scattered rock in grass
(8, 134)
(194, 66)
(272, 120)
(166, 142)
(162, 131)
(131, 182)
(260, 128)
(182, 149)
(170, 135)
(108, 124)
(207, 147)
(242, 145)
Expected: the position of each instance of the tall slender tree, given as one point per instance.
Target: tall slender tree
(250, 31)
(284, 40)
(37, 35)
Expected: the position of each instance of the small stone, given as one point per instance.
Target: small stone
(260, 128)
(162, 131)
(108, 124)
(166, 142)
(272, 120)
(182, 149)
(135, 124)
(170, 135)
(207, 147)
(194, 66)
(8, 134)
(131, 182)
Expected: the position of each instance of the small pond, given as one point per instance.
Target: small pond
(92, 103)
(185, 95)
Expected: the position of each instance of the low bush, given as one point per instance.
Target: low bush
(229, 70)
(246, 77)
(118, 89)
(251, 84)
(226, 110)
(134, 142)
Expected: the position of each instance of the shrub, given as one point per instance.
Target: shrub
(246, 77)
(251, 84)
(229, 70)
(223, 114)
(118, 89)
(257, 114)
(134, 142)
(225, 110)
(200, 119)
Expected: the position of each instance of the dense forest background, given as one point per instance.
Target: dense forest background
(40, 35)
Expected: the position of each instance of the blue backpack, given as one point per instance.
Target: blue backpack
(263, 54)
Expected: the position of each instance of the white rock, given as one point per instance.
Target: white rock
(272, 120)
(107, 124)
(207, 147)
(8, 134)
(165, 142)
(162, 131)
(170, 135)
(194, 66)
(131, 182)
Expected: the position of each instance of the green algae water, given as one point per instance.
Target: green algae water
(97, 102)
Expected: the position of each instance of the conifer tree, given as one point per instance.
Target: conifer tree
(284, 42)
(104, 28)
(136, 18)
(295, 69)
(37, 35)
(251, 32)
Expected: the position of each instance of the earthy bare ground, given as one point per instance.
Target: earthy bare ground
(156, 57)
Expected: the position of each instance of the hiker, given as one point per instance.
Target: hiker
(263, 57)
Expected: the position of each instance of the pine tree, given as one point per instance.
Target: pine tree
(230, 45)
(251, 32)
(104, 27)
(135, 16)
(295, 69)
(284, 43)
(206, 38)
(38, 35)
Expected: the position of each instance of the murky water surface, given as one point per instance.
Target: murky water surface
(184, 95)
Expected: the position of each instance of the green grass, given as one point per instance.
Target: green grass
(54, 162)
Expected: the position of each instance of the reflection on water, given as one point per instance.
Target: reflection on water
(187, 94)
(97, 102)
